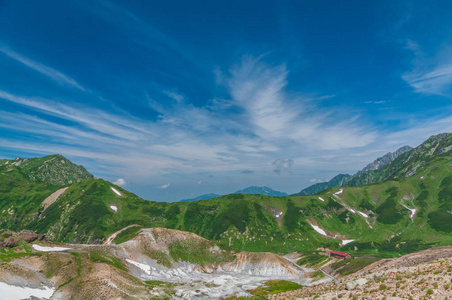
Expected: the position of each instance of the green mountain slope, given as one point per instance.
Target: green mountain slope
(364, 176)
(337, 180)
(261, 190)
(52, 169)
(202, 197)
(407, 163)
(406, 212)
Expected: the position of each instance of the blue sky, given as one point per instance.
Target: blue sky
(182, 98)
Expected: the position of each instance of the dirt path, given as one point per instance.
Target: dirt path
(112, 236)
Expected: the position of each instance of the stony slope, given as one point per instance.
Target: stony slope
(421, 275)
(156, 263)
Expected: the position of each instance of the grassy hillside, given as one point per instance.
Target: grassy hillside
(378, 217)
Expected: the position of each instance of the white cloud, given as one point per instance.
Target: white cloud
(315, 180)
(437, 80)
(120, 182)
(164, 186)
(430, 75)
(276, 115)
(175, 96)
(282, 165)
(187, 138)
(43, 69)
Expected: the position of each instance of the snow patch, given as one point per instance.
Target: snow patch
(116, 191)
(145, 268)
(345, 242)
(12, 292)
(339, 192)
(412, 210)
(49, 249)
(363, 214)
(321, 199)
(319, 230)
(114, 207)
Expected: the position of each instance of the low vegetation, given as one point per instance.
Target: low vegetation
(127, 234)
(275, 287)
(349, 266)
(199, 252)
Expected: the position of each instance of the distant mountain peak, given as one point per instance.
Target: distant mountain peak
(53, 169)
(202, 197)
(384, 160)
(261, 190)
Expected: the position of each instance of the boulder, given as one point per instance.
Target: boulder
(353, 284)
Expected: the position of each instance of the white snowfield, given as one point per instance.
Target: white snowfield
(116, 191)
(339, 192)
(363, 214)
(49, 249)
(413, 212)
(114, 207)
(345, 242)
(12, 292)
(145, 268)
(321, 199)
(319, 230)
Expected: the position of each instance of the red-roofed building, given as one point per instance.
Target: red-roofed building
(338, 254)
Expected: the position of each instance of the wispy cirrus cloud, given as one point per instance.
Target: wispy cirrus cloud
(435, 81)
(261, 129)
(55, 75)
(276, 114)
(260, 121)
(430, 75)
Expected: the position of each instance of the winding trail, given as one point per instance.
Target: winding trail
(112, 236)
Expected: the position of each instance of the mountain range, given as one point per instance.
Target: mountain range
(367, 175)
(372, 173)
(258, 190)
(398, 205)
(55, 197)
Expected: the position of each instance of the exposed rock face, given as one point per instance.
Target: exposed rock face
(384, 160)
(11, 239)
(52, 169)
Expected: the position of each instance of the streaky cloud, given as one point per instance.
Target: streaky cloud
(57, 76)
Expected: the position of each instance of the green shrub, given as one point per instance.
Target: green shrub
(127, 234)
(440, 220)
(387, 211)
(276, 287)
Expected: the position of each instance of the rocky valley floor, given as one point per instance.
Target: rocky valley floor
(422, 275)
